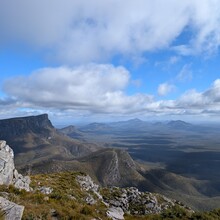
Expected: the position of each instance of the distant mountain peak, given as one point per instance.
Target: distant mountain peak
(179, 124)
(135, 120)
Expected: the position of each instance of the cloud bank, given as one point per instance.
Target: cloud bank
(95, 88)
(92, 31)
(101, 89)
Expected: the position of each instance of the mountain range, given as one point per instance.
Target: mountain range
(122, 154)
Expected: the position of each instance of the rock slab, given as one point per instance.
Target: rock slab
(11, 210)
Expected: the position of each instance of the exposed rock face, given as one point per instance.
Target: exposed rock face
(8, 173)
(6, 164)
(11, 210)
(113, 170)
(19, 126)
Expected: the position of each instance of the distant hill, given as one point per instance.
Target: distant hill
(72, 132)
(96, 127)
(178, 124)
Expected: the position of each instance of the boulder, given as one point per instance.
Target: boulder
(11, 210)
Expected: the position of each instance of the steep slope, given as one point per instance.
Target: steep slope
(34, 139)
(113, 167)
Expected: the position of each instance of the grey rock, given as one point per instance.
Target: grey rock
(11, 210)
(8, 173)
(45, 190)
(90, 200)
(16, 174)
(22, 183)
(131, 201)
(6, 164)
(115, 213)
(87, 184)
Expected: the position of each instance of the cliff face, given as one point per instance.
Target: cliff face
(20, 126)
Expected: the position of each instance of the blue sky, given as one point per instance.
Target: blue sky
(111, 60)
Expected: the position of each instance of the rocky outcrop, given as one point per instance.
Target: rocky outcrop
(8, 174)
(126, 200)
(11, 210)
(87, 184)
(134, 202)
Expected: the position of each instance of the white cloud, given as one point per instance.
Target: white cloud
(88, 31)
(205, 101)
(94, 88)
(165, 88)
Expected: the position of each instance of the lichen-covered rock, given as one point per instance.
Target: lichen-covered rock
(11, 210)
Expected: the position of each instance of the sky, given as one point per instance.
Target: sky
(110, 60)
